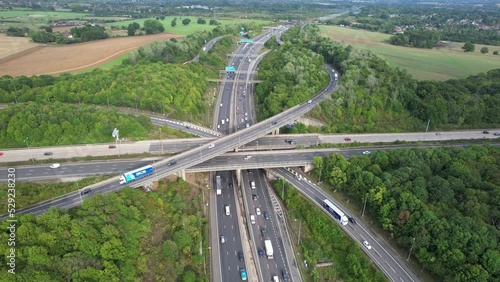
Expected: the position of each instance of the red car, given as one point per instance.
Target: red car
(112, 146)
(347, 139)
(1, 154)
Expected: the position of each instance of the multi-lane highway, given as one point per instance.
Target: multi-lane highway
(233, 102)
(264, 227)
(386, 259)
(233, 109)
(263, 143)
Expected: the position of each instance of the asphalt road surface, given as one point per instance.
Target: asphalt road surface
(387, 260)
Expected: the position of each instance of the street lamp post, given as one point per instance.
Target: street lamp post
(79, 193)
(364, 206)
(300, 225)
(29, 150)
(161, 142)
(413, 243)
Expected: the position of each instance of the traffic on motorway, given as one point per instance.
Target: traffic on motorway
(234, 115)
(372, 245)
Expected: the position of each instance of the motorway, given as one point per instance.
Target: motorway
(220, 146)
(233, 103)
(263, 143)
(226, 162)
(392, 265)
(268, 267)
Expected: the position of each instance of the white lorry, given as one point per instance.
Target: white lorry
(269, 249)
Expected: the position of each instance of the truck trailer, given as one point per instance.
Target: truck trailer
(269, 249)
(219, 185)
(136, 174)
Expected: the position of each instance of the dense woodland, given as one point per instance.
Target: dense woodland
(416, 38)
(445, 198)
(55, 124)
(466, 24)
(374, 97)
(321, 240)
(290, 76)
(164, 88)
(125, 236)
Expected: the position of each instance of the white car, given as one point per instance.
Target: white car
(367, 245)
(211, 146)
(222, 239)
(366, 152)
(55, 165)
(309, 102)
(247, 157)
(257, 210)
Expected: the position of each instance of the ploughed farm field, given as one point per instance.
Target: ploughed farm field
(25, 58)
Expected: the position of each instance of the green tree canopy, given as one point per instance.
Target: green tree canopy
(153, 26)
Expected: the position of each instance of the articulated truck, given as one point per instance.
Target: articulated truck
(136, 174)
(269, 249)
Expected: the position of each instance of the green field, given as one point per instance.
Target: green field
(189, 29)
(33, 19)
(424, 64)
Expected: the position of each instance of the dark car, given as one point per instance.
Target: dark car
(351, 220)
(347, 139)
(285, 275)
(85, 192)
(254, 197)
(266, 215)
(496, 133)
(261, 252)
(240, 255)
(288, 140)
(486, 132)
(172, 162)
(112, 147)
(263, 231)
(275, 122)
(48, 154)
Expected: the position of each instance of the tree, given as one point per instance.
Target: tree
(186, 21)
(131, 29)
(201, 21)
(495, 52)
(469, 47)
(174, 22)
(484, 50)
(153, 26)
(213, 22)
(318, 164)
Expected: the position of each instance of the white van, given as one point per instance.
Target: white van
(252, 219)
(228, 212)
(252, 184)
(275, 279)
(222, 121)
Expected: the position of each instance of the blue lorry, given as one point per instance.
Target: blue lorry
(136, 174)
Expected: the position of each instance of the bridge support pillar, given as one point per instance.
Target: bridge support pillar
(269, 175)
(308, 168)
(276, 132)
(238, 177)
(236, 149)
(182, 174)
